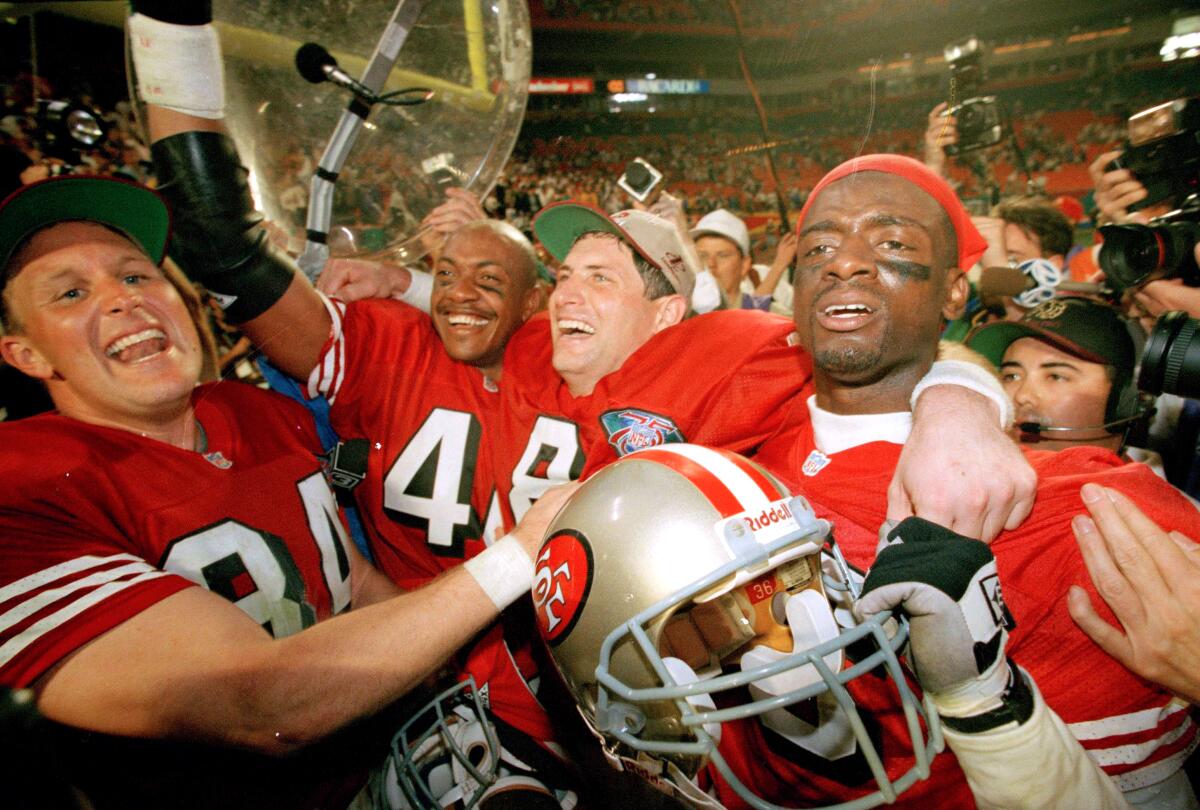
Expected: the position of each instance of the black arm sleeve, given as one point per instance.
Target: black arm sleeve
(216, 237)
(179, 12)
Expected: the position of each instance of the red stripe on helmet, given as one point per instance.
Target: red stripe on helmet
(704, 479)
(769, 488)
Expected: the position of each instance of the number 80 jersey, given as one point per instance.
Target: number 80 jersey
(101, 523)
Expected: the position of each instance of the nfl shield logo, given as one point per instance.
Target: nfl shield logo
(815, 462)
(630, 430)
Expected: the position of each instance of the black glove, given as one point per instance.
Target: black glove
(947, 586)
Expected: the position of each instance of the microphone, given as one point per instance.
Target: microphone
(1034, 430)
(317, 65)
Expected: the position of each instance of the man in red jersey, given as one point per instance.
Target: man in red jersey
(883, 235)
(176, 578)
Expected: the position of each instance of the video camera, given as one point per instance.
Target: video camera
(1163, 151)
(1133, 255)
(980, 120)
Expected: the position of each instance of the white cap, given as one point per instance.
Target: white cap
(558, 226)
(725, 224)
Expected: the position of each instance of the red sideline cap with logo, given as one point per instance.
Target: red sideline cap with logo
(655, 239)
(971, 244)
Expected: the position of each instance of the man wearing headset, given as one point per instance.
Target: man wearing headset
(1068, 366)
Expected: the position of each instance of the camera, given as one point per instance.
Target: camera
(641, 181)
(65, 129)
(1171, 359)
(1163, 151)
(980, 120)
(1133, 255)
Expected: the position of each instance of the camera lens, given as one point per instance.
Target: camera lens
(1133, 255)
(1171, 360)
(968, 118)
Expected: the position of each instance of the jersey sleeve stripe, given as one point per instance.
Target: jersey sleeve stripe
(1155, 772)
(76, 565)
(1131, 723)
(27, 607)
(1133, 753)
(326, 377)
(54, 621)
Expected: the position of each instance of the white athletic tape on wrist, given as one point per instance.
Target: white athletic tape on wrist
(178, 66)
(504, 571)
(971, 376)
(420, 290)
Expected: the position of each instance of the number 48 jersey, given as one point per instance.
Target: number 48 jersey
(100, 524)
(426, 501)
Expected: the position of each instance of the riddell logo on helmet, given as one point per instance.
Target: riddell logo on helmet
(768, 517)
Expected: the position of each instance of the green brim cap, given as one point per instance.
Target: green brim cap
(133, 209)
(559, 225)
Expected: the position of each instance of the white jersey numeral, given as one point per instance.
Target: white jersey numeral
(552, 456)
(255, 570)
(429, 485)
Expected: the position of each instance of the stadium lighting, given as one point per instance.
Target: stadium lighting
(1184, 42)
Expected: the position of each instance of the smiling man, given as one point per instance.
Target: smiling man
(177, 579)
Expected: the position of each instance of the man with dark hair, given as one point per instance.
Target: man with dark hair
(1068, 366)
(178, 581)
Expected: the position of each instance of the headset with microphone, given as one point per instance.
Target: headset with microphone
(1125, 407)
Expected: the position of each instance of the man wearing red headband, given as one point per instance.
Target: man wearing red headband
(884, 245)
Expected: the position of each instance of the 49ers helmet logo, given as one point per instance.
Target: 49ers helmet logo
(561, 581)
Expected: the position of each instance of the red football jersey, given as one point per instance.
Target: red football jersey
(426, 501)
(721, 380)
(100, 523)
(1130, 727)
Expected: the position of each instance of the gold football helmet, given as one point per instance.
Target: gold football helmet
(680, 573)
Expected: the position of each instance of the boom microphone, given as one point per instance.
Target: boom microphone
(1032, 431)
(317, 65)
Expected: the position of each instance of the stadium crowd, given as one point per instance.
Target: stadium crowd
(608, 404)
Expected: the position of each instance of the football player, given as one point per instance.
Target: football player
(884, 235)
(418, 390)
(174, 565)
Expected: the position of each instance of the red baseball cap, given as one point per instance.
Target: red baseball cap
(971, 243)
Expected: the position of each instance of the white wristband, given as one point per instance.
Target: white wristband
(504, 571)
(178, 66)
(970, 376)
(420, 290)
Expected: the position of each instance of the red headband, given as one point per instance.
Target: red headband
(971, 244)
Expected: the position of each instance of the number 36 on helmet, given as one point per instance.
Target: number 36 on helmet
(682, 589)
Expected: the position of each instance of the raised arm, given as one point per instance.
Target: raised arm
(217, 239)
